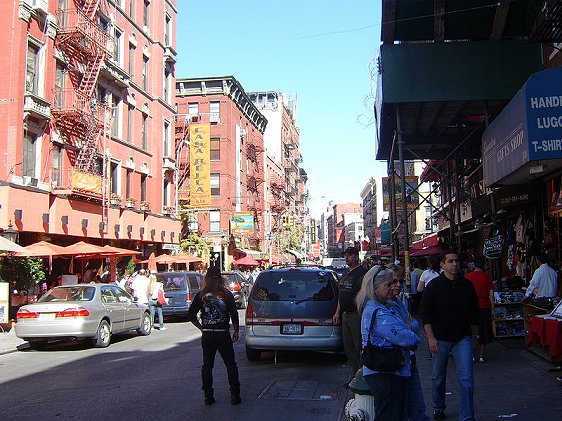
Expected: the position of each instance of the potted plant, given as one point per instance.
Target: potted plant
(144, 205)
(114, 199)
(130, 202)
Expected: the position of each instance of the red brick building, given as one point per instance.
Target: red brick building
(87, 107)
(237, 162)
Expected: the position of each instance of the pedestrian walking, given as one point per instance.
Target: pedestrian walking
(216, 306)
(545, 279)
(416, 400)
(432, 272)
(449, 312)
(346, 311)
(140, 287)
(156, 292)
(383, 327)
(484, 287)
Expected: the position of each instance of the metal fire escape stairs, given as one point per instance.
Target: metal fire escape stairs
(86, 45)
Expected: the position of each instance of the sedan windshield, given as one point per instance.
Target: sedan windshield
(291, 286)
(74, 293)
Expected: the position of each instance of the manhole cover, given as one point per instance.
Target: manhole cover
(302, 390)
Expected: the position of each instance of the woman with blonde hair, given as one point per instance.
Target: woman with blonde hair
(383, 327)
(154, 287)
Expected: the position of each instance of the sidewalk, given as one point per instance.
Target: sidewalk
(9, 342)
(514, 383)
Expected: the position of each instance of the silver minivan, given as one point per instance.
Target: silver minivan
(291, 308)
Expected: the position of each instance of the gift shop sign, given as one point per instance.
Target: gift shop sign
(528, 129)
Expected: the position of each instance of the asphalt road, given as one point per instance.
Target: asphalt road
(158, 377)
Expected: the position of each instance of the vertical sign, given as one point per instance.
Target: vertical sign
(199, 163)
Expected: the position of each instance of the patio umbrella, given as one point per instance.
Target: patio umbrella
(151, 262)
(246, 261)
(46, 250)
(11, 247)
(118, 251)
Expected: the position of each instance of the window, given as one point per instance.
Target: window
(128, 177)
(166, 192)
(143, 186)
(167, 79)
(29, 161)
(56, 166)
(144, 134)
(117, 48)
(168, 30)
(60, 82)
(294, 286)
(132, 9)
(131, 60)
(166, 140)
(130, 123)
(114, 168)
(193, 109)
(115, 115)
(104, 23)
(32, 69)
(145, 14)
(215, 184)
(145, 73)
(215, 148)
(214, 221)
(214, 110)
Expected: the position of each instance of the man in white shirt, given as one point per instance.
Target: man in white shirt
(430, 273)
(140, 287)
(545, 279)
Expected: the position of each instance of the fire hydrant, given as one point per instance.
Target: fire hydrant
(362, 406)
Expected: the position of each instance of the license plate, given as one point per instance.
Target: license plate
(291, 329)
(47, 316)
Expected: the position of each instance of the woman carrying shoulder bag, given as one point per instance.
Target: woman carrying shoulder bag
(156, 294)
(382, 328)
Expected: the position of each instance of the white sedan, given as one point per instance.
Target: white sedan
(94, 311)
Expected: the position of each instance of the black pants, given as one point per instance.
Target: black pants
(211, 342)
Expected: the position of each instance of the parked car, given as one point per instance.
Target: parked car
(291, 309)
(238, 284)
(94, 311)
(179, 288)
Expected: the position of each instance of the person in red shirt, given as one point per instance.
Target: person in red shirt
(484, 287)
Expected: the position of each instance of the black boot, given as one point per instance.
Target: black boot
(235, 399)
(209, 399)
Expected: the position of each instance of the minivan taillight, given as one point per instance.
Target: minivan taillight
(26, 314)
(73, 312)
(249, 315)
(189, 297)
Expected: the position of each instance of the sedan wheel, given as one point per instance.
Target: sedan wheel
(146, 326)
(253, 354)
(103, 337)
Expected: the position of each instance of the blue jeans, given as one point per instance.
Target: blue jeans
(416, 401)
(462, 354)
(155, 308)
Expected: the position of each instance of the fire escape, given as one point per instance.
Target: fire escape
(78, 116)
(181, 139)
(253, 181)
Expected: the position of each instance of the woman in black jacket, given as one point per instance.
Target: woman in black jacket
(216, 305)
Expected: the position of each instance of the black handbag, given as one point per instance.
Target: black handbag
(493, 246)
(377, 358)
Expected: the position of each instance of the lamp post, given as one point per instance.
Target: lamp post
(10, 233)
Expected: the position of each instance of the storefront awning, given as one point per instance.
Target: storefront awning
(254, 254)
(524, 142)
(429, 173)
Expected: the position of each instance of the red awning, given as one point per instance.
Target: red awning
(428, 173)
(428, 251)
(246, 261)
(430, 240)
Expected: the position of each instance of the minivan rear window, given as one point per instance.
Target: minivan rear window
(294, 286)
(174, 283)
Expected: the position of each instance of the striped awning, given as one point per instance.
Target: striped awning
(254, 254)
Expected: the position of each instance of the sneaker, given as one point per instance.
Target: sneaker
(439, 414)
(235, 399)
(162, 328)
(209, 400)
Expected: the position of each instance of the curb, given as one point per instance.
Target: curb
(20, 347)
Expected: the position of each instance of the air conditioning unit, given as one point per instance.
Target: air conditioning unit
(41, 6)
(214, 118)
(243, 132)
(30, 181)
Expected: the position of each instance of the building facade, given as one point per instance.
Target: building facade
(237, 164)
(88, 110)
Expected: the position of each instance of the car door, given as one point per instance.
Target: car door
(113, 308)
(132, 310)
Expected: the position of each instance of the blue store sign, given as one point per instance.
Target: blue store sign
(528, 129)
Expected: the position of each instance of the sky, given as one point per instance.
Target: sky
(321, 51)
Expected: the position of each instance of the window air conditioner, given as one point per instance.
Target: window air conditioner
(41, 6)
(29, 181)
(243, 132)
